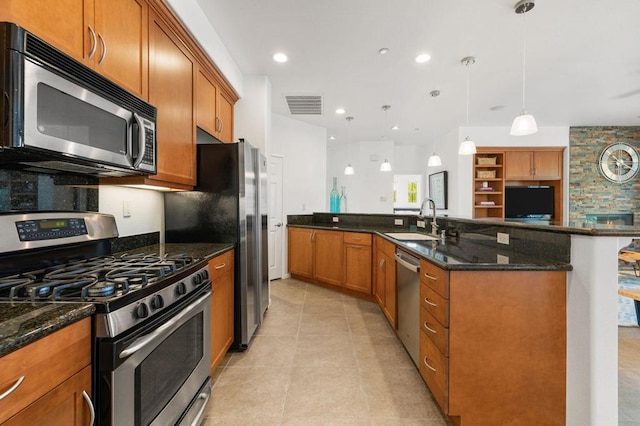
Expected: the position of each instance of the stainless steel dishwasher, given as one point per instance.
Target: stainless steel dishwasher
(408, 287)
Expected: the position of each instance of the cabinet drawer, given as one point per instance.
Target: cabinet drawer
(435, 278)
(434, 369)
(70, 347)
(221, 264)
(386, 246)
(435, 304)
(438, 333)
(357, 238)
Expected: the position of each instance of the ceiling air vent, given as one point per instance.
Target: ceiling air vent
(304, 104)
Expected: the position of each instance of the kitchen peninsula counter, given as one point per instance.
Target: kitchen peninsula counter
(468, 245)
(22, 323)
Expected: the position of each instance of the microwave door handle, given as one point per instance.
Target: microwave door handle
(141, 146)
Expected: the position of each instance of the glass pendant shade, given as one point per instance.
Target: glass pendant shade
(524, 124)
(434, 161)
(349, 170)
(385, 166)
(467, 147)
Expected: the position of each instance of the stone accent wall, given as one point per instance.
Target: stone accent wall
(589, 191)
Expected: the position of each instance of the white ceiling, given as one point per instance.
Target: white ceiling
(583, 61)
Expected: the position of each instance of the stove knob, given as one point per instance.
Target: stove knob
(205, 274)
(181, 289)
(142, 311)
(157, 302)
(196, 280)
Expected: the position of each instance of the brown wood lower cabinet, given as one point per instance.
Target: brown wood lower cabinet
(384, 286)
(221, 271)
(50, 392)
(493, 345)
(357, 261)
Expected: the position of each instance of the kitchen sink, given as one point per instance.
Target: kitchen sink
(410, 236)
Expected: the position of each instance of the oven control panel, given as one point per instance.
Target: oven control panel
(49, 229)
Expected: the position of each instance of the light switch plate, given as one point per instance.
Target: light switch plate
(398, 221)
(502, 259)
(126, 208)
(421, 224)
(335, 219)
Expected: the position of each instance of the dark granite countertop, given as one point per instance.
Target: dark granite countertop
(196, 250)
(24, 323)
(470, 253)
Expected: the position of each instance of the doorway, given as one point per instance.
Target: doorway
(276, 222)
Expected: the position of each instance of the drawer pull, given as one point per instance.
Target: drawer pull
(220, 266)
(430, 303)
(426, 362)
(92, 410)
(432, 278)
(426, 325)
(357, 239)
(12, 388)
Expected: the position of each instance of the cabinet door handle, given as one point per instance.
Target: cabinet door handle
(313, 236)
(221, 266)
(92, 411)
(94, 42)
(426, 362)
(426, 325)
(104, 49)
(429, 302)
(12, 388)
(432, 278)
(221, 126)
(382, 262)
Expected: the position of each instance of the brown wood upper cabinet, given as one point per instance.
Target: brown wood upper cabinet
(214, 111)
(533, 165)
(109, 36)
(171, 84)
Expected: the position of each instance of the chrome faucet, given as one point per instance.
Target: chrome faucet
(434, 224)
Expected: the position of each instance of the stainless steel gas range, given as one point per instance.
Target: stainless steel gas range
(151, 352)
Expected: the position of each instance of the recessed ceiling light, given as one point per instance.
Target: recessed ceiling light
(422, 58)
(417, 129)
(395, 128)
(332, 138)
(280, 57)
(340, 111)
(497, 107)
(383, 51)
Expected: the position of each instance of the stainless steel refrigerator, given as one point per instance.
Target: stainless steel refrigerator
(229, 204)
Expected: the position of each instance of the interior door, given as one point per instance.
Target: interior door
(275, 217)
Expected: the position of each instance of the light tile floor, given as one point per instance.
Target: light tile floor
(321, 358)
(629, 376)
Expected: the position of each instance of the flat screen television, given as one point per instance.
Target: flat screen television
(522, 202)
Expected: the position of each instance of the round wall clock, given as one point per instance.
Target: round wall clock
(619, 162)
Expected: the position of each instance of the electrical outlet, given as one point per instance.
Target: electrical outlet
(335, 219)
(503, 238)
(398, 221)
(503, 259)
(421, 224)
(126, 209)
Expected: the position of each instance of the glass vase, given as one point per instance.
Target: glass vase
(334, 197)
(343, 201)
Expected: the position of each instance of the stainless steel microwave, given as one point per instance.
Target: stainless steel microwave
(58, 114)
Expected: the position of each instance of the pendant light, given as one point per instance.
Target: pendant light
(434, 160)
(349, 169)
(524, 124)
(467, 147)
(386, 165)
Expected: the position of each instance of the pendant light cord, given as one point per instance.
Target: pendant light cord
(467, 65)
(524, 56)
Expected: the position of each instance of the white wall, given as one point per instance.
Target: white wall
(146, 206)
(369, 190)
(252, 113)
(304, 149)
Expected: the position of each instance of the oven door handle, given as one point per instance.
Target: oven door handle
(163, 330)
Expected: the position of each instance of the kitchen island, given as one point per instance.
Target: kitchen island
(588, 252)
